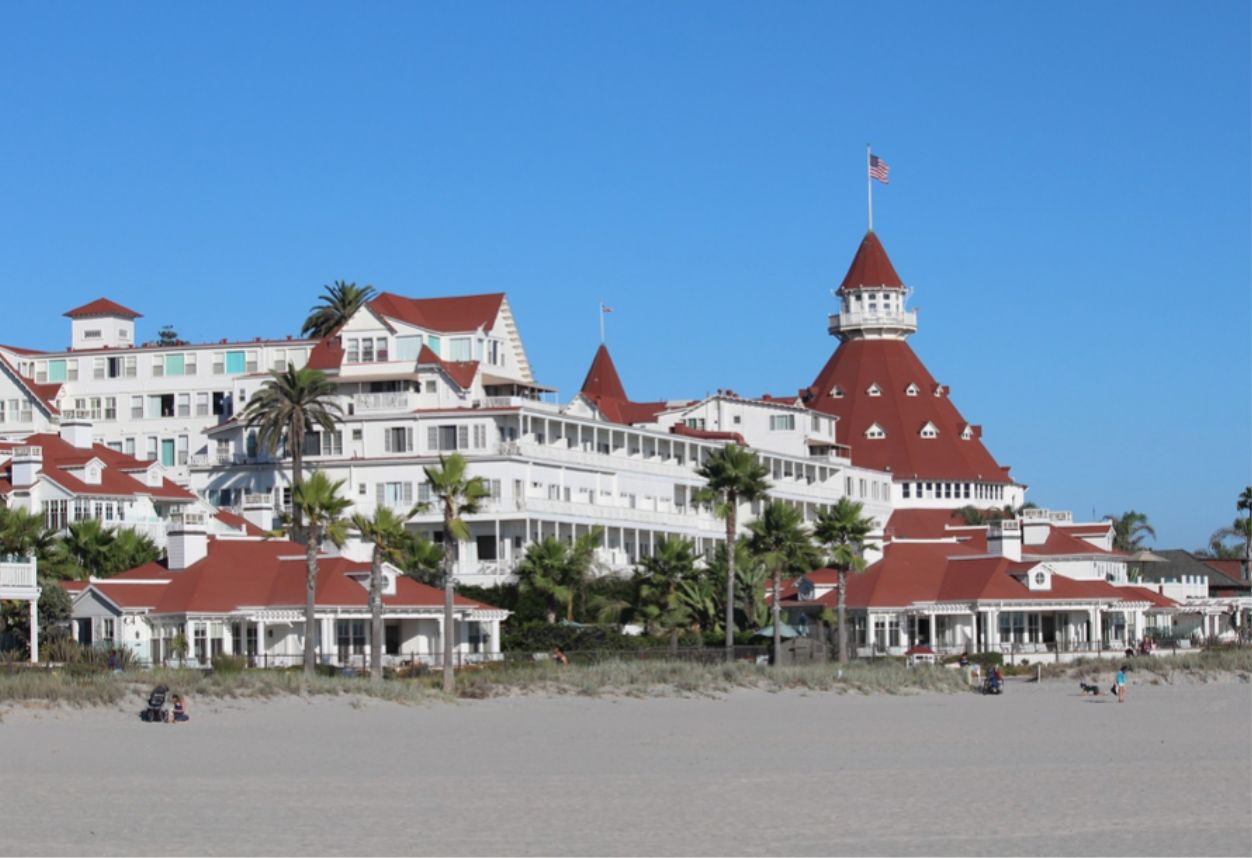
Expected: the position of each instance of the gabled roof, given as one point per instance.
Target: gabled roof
(116, 480)
(870, 267)
(247, 573)
(1059, 542)
(44, 394)
(451, 315)
(1180, 562)
(891, 365)
(461, 372)
(102, 307)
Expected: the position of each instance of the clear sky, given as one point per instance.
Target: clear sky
(1069, 197)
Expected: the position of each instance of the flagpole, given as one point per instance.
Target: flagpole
(602, 322)
(869, 187)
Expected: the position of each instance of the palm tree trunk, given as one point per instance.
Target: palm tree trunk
(730, 576)
(777, 617)
(310, 607)
(449, 560)
(296, 440)
(842, 617)
(376, 616)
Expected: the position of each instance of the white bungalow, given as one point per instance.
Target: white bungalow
(246, 596)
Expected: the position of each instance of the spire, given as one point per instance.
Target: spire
(602, 381)
(872, 297)
(870, 267)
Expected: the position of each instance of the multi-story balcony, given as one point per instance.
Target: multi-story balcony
(383, 403)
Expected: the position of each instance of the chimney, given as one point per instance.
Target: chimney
(259, 511)
(188, 540)
(1004, 539)
(1035, 531)
(76, 430)
(27, 461)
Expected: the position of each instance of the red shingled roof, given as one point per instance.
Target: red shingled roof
(452, 315)
(45, 393)
(603, 389)
(461, 372)
(240, 573)
(1060, 542)
(115, 481)
(891, 365)
(870, 267)
(102, 307)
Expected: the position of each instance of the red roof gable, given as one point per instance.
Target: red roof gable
(102, 307)
(461, 372)
(870, 267)
(603, 389)
(453, 315)
(240, 573)
(59, 455)
(44, 393)
(1060, 542)
(859, 364)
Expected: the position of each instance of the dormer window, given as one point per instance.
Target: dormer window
(929, 430)
(938, 390)
(875, 432)
(967, 433)
(874, 390)
(911, 390)
(836, 392)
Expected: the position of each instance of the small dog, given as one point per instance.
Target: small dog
(1089, 689)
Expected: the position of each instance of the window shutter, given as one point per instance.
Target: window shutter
(432, 439)
(408, 439)
(381, 490)
(408, 493)
(462, 437)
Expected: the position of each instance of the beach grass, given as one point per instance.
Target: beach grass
(610, 677)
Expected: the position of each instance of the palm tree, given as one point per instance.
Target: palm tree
(845, 531)
(334, 308)
(781, 540)
(130, 549)
(458, 495)
(732, 475)
(659, 577)
(1219, 547)
(287, 407)
(1129, 530)
(1244, 505)
(421, 559)
(23, 532)
(321, 507)
(558, 572)
(386, 531)
(88, 544)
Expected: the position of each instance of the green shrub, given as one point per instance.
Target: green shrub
(543, 637)
(227, 664)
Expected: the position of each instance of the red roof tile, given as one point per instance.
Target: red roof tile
(461, 372)
(858, 364)
(59, 455)
(102, 307)
(870, 267)
(1060, 542)
(603, 389)
(451, 315)
(44, 393)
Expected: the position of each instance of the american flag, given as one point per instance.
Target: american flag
(605, 308)
(878, 169)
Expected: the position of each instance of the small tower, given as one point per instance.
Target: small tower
(102, 324)
(872, 298)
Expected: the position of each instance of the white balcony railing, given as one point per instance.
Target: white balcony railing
(373, 403)
(17, 573)
(904, 320)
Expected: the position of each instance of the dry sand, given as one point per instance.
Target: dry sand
(1037, 771)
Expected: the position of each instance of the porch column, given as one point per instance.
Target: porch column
(437, 652)
(993, 628)
(326, 644)
(189, 635)
(260, 643)
(1097, 632)
(228, 637)
(34, 630)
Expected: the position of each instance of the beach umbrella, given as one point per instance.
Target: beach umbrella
(785, 631)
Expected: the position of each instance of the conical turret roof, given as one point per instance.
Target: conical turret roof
(870, 267)
(602, 381)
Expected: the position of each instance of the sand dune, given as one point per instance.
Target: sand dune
(1038, 771)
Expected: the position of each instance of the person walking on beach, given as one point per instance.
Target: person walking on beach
(1120, 684)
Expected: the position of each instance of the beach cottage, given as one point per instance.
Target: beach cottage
(245, 596)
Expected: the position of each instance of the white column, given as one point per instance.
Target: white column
(261, 650)
(327, 643)
(189, 634)
(1097, 632)
(228, 638)
(34, 630)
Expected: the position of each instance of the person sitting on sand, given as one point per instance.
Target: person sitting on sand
(558, 655)
(180, 710)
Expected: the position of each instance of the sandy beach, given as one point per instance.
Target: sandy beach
(1040, 770)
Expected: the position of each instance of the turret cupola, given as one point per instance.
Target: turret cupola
(872, 297)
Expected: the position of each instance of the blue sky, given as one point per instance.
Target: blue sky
(1069, 197)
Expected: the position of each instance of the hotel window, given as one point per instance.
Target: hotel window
(236, 362)
(911, 390)
(905, 490)
(480, 436)
(221, 403)
(929, 431)
(1, 410)
(136, 408)
(367, 350)
(435, 344)
(459, 349)
(175, 364)
(782, 422)
(183, 446)
(887, 631)
(98, 367)
(279, 364)
(202, 404)
(151, 449)
(351, 638)
(219, 363)
(128, 446)
(398, 439)
(158, 366)
(875, 432)
(93, 334)
(408, 347)
(189, 363)
(110, 408)
(395, 494)
(250, 363)
(691, 423)
(874, 390)
(967, 491)
(184, 405)
(495, 353)
(861, 488)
